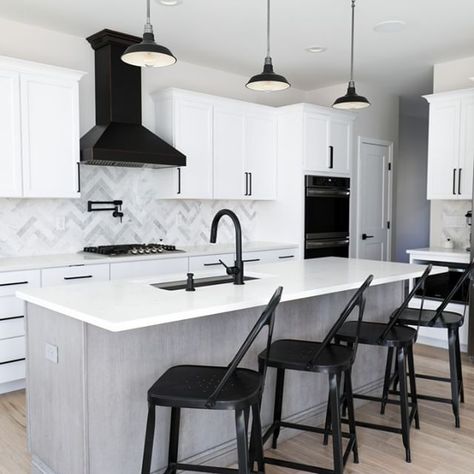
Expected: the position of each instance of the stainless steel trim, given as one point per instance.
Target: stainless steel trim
(319, 244)
(327, 192)
(327, 235)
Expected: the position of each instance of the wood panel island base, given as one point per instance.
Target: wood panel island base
(87, 402)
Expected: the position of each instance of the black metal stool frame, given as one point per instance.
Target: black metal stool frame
(408, 410)
(455, 365)
(340, 457)
(242, 411)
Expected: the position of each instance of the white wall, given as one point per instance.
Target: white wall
(447, 216)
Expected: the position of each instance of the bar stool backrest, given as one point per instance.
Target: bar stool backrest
(439, 311)
(396, 315)
(357, 300)
(267, 318)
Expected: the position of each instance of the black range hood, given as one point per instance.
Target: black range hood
(119, 138)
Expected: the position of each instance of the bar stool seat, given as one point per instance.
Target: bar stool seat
(190, 386)
(294, 355)
(371, 333)
(446, 320)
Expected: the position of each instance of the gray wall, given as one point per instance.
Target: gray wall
(412, 209)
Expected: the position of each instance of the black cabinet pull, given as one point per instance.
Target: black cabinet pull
(252, 260)
(246, 184)
(11, 361)
(282, 257)
(82, 277)
(331, 157)
(459, 180)
(365, 236)
(454, 180)
(179, 181)
(15, 283)
(250, 184)
(78, 177)
(12, 317)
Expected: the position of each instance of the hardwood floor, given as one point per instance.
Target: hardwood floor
(438, 448)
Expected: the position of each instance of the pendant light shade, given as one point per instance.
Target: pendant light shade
(148, 53)
(268, 80)
(352, 100)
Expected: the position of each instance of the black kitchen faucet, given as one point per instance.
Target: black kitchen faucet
(237, 271)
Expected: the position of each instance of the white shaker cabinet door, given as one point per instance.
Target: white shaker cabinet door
(340, 140)
(10, 135)
(229, 175)
(466, 160)
(316, 143)
(260, 156)
(443, 149)
(50, 136)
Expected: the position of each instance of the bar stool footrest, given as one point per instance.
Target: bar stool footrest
(204, 468)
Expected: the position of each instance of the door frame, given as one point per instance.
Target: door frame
(374, 141)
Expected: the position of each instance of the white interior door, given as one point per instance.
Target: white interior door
(374, 183)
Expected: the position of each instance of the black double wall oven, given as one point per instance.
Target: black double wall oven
(327, 209)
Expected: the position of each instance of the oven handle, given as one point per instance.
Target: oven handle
(314, 192)
(313, 244)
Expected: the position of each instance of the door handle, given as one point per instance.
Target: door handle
(365, 236)
(331, 157)
(459, 180)
(454, 180)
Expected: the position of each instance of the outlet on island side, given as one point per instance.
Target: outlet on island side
(51, 353)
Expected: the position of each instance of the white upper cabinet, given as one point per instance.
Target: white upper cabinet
(451, 145)
(327, 142)
(230, 147)
(39, 130)
(10, 135)
(186, 124)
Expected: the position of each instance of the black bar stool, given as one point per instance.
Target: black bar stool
(392, 336)
(324, 357)
(441, 319)
(214, 388)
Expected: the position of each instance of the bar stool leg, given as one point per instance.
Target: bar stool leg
(459, 361)
(242, 442)
(278, 405)
(336, 424)
(149, 437)
(386, 383)
(395, 379)
(327, 425)
(351, 414)
(256, 444)
(414, 397)
(402, 380)
(174, 440)
(454, 375)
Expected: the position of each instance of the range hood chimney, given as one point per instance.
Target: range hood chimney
(119, 138)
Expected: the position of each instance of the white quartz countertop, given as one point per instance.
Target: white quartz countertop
(440, 253)
(12, 264)
(131, 304)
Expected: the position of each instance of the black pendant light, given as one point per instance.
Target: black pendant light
(148, 53)
(268, 80)
(351, 101)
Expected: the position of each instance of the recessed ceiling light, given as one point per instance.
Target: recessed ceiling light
(316, 49)
(170, 3)
(390, 26)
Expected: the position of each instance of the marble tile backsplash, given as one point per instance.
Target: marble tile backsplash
(453, 222)
(48, 226)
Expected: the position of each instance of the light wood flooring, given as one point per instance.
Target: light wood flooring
(437, 448)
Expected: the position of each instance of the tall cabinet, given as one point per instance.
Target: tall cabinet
(451, 145)
(39, 130)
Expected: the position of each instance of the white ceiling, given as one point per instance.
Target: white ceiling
(230, 34)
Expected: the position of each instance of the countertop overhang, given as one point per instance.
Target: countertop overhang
(131, 304)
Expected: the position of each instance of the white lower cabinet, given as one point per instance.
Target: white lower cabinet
(148, 268)
(74, 274)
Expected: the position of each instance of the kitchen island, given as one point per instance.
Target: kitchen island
(93, 350)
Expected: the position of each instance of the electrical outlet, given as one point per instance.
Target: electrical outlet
(51, 353)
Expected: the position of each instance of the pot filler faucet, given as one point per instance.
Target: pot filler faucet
(237, 271)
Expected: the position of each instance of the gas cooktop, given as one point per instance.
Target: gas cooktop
(132, 249)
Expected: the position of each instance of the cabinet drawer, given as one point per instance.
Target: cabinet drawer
(12, 328)
(12, 349)
(270, 256)
(10, 282)
(74, 274)
(12, 371)
(146, 268)
(210, 262)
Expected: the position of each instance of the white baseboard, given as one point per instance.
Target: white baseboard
(12, 386)
(434, 342)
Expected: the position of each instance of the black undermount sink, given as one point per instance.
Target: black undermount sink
(198, 282)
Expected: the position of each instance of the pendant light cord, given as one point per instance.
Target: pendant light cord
(352, 42)
(268, 29)
(148, 25)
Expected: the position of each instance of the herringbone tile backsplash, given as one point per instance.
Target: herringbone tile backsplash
(35, 226)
